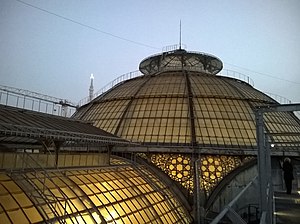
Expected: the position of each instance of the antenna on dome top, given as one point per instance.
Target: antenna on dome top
(180, 36)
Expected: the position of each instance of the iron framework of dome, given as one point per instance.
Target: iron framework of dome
(181, 107)
(180, 101)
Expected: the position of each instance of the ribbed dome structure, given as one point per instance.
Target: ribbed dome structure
(181, 101)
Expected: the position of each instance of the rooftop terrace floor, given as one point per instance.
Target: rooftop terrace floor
(287, 207)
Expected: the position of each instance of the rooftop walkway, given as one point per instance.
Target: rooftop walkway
(287, 207)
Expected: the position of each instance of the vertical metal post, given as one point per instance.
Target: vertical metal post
(39, 110)
(32, 105)
(24, 102)
(6, 103)
(197, 192)
(268, 171)
(261, 160)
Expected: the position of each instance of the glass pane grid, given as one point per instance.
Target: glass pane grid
(127, 90)
(167, 84)
(157, 120)
(224, 122)
(118, 196)
(14, 204)
(212, 86)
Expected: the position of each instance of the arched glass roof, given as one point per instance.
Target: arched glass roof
(118, 194)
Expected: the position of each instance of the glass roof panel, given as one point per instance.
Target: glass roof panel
(126, 194)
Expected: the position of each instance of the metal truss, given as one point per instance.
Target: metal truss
(58, 135)
(264, 158)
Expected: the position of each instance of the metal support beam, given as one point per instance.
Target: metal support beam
(57, 148)
(197, 198)
(269, 187)
(264, 158)
(226, 209)
(234, 217)
(260, 138)
(279, 108)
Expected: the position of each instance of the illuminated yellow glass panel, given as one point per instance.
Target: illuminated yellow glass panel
(23, 200)
(78, 204)
(8, 202)
(4, 177)
(11, 186)
(86, 189)
(2, 190)
(3, 218)
(131, 206)
(124, 199)
(103, 199)
(17, 215)
(100, 187)
(69, 193)
(33, 215)
(109, 197)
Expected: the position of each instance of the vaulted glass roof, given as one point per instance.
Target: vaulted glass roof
(115, 194)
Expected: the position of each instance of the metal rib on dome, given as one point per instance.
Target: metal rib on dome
(181, 60)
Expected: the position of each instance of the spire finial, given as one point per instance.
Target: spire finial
(180, 36)
(91, 89)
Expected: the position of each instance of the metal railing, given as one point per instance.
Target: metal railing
(25, 99)
(236, 75)
(137, 73)
(278, 98)
(110, 85)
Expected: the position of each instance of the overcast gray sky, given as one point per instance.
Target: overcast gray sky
(52, 47)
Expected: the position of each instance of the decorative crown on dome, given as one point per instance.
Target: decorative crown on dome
(180, 59)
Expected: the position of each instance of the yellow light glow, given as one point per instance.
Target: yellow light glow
(96, 217)
(179, 167)
(211, 168)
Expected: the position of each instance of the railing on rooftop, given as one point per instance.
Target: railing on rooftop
(110, 85)
(236, 75)
(25, 99)
(137, 73)
(279, 99)
(173, 47)
(282, 100)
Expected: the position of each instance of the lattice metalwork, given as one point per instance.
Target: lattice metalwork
(213, 168)
(177, 166)
(216, 167)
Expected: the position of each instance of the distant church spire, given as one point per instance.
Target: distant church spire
(91, 89)
(180, 35)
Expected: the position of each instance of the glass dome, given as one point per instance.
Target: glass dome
(180, 101)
